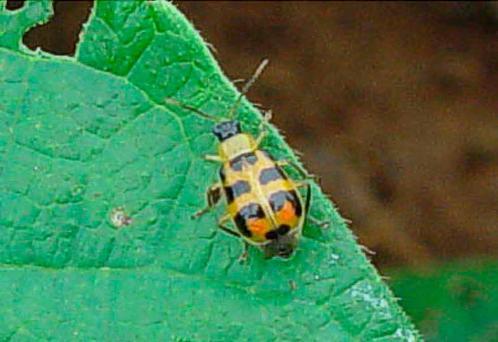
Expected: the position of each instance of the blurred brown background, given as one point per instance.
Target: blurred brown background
(394, 105)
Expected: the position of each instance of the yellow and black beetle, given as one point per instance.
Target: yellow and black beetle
(262, 201)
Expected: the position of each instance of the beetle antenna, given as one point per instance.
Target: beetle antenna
(169, 100)
(248, 85)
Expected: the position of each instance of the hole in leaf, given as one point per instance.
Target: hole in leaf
(13, 5)
(60, 35)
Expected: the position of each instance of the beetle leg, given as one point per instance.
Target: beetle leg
(322, 224)
(213, 158)
(307, 216)
(305, 175)
(227, 230)
(245, 254)
(213, 196)
(267, 116)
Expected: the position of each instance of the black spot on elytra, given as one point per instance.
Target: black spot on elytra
(271, 235)
(237, 189)
(278, 199)
(270, 174)
(237, 162)
(250, 211)
(283, 229)
(222, 174)
(274, 234)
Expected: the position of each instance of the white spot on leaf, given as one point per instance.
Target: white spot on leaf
(119, 218)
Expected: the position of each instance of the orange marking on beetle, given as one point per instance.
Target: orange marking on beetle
(258, 226)
(287, 213)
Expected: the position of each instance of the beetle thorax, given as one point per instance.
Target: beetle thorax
(236, 146)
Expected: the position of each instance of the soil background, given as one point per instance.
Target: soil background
(393, 105)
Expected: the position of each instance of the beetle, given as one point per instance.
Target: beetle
(263, 202)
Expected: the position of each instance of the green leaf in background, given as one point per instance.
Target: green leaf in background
(84, 138)
(457, 302)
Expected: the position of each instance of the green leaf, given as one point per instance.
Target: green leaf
(455, 302)
(84, 139)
